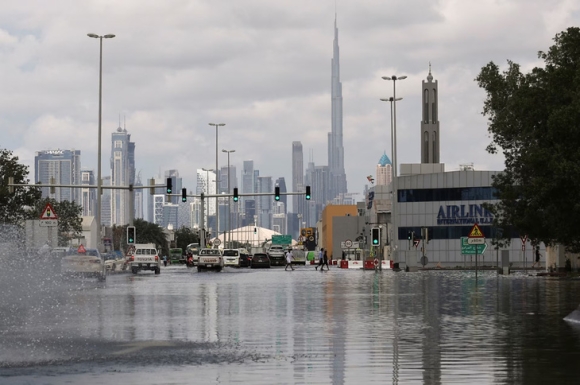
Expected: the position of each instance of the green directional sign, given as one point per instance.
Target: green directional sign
(282, 239)
(468, 249)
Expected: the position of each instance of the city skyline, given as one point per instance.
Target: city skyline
(267, 81)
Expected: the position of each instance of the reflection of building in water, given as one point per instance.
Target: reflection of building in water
(209, 308)
(431, 349)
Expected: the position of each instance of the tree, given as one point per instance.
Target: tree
(184, 236)
(534, 119)
(70, 223)
(15, 205)
(147, 232)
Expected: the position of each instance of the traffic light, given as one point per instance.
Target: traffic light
(307, 193)
(255, 230)
(183, 195)
(376, 236)
(169, 185)
(408, 235)
(236, 198)
(277, 193)
(130, 235)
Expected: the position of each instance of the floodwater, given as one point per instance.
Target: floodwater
(288, 327)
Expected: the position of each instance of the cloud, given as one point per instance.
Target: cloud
(263, 68)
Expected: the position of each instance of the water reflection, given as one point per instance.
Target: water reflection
(264, 327)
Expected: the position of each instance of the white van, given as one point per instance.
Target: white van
(231, 257)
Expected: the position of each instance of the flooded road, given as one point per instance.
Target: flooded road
(289, 327)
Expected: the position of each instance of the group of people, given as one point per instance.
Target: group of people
(322, 260)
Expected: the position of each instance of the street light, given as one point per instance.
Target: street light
(99, 179)
(217, 202)
(394, 78)
(229, 210)
(207, 171)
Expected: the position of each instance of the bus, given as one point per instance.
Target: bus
(176, 256)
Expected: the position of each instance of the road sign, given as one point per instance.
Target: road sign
(424, 260)
(416, 243)
(81, 249)
(48, 213)
(524, 238)
(281, 239)
(523, 247)
(217, 242)
(476, 241)
(348, 243)
(468, 249)
(48, 223)
(476, 232)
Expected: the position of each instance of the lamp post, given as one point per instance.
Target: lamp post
(392, 100)
(207, 171)
(394, 78)
(229, 210)
(217, 202)
(99, 178)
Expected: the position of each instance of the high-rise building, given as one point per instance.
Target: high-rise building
(122, 174)
(106, 217)
(248, 182)
(429, 123)
(384, 171)
(139, 196)
(337, 176)
(62, 165)
(154, 199)
(297, 177)
(88, 195)
(264, 203)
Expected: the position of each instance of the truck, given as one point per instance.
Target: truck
(210, 259)
(176, 256)
(144, 256)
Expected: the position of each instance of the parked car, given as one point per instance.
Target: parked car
(245, 258)
(260, 260)
(89, 264)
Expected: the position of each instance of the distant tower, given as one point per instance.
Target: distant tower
(384, 171)
(122, 174)
(429, 123)
(297, 177)
(337, 178)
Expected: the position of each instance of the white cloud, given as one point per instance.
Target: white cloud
(263, 68)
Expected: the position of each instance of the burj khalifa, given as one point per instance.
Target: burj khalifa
(335, 147)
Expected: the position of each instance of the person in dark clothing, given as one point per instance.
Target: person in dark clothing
(324, 261)
(320, 258)
(537, 258)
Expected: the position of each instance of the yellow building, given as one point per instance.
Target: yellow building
(328, 213)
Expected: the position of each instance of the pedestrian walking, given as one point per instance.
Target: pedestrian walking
(537, 257)
(289, 258)
(324, 261)
(320, 258)
(165, 260)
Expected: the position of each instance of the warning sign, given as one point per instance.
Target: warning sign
(48, 212)
(81, 249)
(476, 232)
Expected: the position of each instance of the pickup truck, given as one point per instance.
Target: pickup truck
(210, 259)
(145, 257)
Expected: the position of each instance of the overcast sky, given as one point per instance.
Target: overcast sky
(263, 68)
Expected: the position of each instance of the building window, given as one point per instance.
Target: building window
(118, 144)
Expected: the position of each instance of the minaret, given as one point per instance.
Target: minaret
(429, 124)
(335, 146)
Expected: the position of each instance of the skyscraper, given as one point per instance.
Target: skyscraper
(384, 171)
(122, 174)
(88, 195)
(62, 165)
(429, 123)
(297, 177)
(337, 175)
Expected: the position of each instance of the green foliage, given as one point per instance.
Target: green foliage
(147, 232)
(15, 206)
(70, 224)
(534, 119)
(184, 236)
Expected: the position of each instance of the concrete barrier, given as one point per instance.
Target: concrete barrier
(355, 264)
(343, 264)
